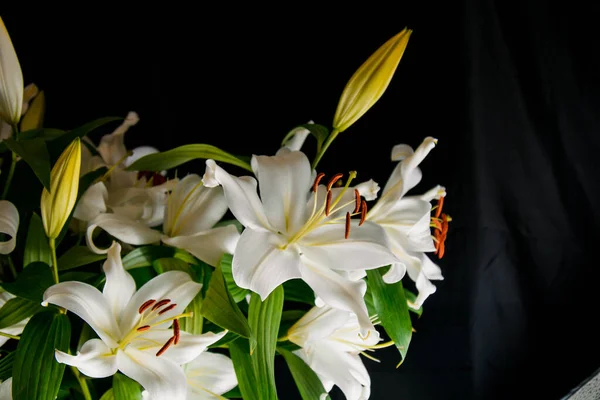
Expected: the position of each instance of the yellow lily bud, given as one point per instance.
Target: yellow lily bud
(11, 80)
(34, 117)
(56, 205)
(370, 81)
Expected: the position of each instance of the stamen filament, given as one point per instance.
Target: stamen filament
(370, 357)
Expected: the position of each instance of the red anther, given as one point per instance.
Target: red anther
(169, 308)
(145, 306)
(176, 331)
(166, 346)
(143, 328)
(363, 213)
(161, 303)
(357, 201)
(317, 180)
(328, 203)
(347, 234)
(333, 180)
(440, 205)
(151, 176)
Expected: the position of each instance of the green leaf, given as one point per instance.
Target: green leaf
(42, 133)
(308, 383)
(32, 282)
(36, 373)
(16, 310)
(125, 388)
(297, 290)
(239, 351)
(182, 154)
(237, 292)
(264, 318)
(57, 145)
(220, 308)
(6, 364)
(174, 264)
(36, 244)
(83, 276)
(289, 318)
(228, 338)
(35, 154)
(234, 393)
(78, 256)
(391, 307)
(411, 298)
(145, 256)
(320, 133)
(108, 395)
(233, 222)
(194, 323)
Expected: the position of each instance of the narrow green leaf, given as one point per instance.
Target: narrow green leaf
(78, 256)
(228, 338)
(182, 154)
(6, 364)
(308, 383)
(35, 154)
(83, 276)
(194, 323)
(237, 292)
(36, 373)
(320, 133)
(36, 244)
(297, 290)
(391, 307)
(174, 264)
(264, 318)
(125, 388)
(16, 310)
(220, 308)
(145, 256)
(234, 393)
(411, 298)
(57, 145)
(233, 222)
(42, 133)
(108, 395)
(32, 282)
(239, 351)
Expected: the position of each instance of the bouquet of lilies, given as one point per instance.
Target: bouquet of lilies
(121, 280)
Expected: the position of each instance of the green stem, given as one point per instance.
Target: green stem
(11, 172)
(54, 260)
(11, 265)
(9, 336)
(330, 139)
(82, 383)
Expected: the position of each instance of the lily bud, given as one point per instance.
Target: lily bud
(56, 205)
(370, 81)
(11, 80)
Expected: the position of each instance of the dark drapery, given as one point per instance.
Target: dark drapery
(510, 89)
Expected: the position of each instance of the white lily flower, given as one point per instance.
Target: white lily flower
(407, 220)
(15, 329)
(192, 211)
(9, 225)
(293, 233)
(29, 93)
(138, 331)
(331, 346)
(6, 389)
(209, 376)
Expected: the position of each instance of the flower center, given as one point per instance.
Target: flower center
(152, 178)
(151, 312)
(322, 214)
(440, 223)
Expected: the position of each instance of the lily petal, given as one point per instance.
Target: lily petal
(241, 196)
(89, 304)
(284, 182)
(338, 292)
(123, 228)
(365, 248)
(209, 245)
(92, 203)
(119, 286)
(112, 147)
(177, 286)
(6, 389)
(9, 225)
(11, 79)
(162, 378)
(259, 263)
(193, 207)
(208, 375)
(407, 223)
(188, 347)
(15, 329)
(94, 359)
(318, 323)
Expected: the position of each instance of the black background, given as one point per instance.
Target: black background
(510, 89)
